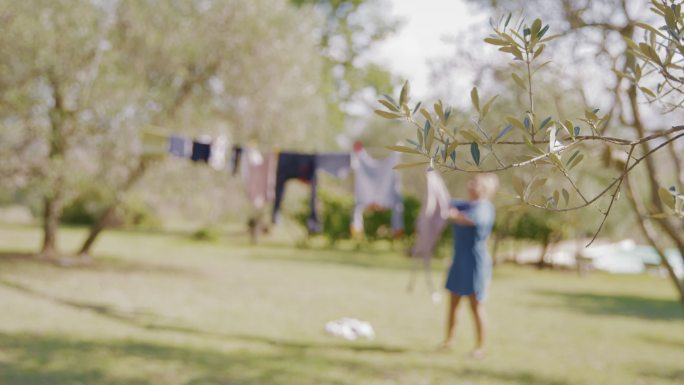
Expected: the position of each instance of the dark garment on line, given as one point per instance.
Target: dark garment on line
(302, 167)
(235, 157)
(335, 164)
(200, 152)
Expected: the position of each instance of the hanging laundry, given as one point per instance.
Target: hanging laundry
(201, 151)
(258, 174)
(433, 215)
(302, 167)
(430, 224)
(217, 155)
(235, 157)
(376, 184)
(180, 146)
(154, 145)
(335, 164)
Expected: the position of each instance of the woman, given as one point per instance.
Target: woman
(471, 268)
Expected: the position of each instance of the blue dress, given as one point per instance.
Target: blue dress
(471, 268)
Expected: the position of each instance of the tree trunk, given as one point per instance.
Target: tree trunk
(651, 204)
(645, 223)
(104, 220)
(500, 235)
(181, 97)
(254, 227)
(52, 200)
(50, 227)
(95, 230)
(495, 250)
(545, 248)
(647, 229)
(678, 162)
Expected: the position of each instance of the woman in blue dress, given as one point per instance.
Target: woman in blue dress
(471, 269)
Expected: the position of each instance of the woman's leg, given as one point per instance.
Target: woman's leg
(478, 310)
(451, 320)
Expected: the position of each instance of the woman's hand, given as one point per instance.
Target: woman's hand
(456, 216)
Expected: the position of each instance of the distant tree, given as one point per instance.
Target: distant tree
(220, 65)
(350, 30)
(535, 226)
(50, 72)
(80, 80)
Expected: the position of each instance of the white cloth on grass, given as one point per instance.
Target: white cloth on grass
(350, 329)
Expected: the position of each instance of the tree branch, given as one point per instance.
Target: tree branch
(651, 234)
(614, 196)
(678, 164)
(627, 171)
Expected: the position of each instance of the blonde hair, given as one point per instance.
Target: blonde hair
(487, 184)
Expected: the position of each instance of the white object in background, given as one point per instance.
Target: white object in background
(620, 263)
(350, 329)
(627, 244)
(619, 258)
(436, 298)
(217, 155)
(362, 329)
(676, 261)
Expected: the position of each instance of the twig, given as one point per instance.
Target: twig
(572, 183)
(614, 197)
(600, 194)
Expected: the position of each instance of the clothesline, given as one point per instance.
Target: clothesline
(377, 184)
(156, 143)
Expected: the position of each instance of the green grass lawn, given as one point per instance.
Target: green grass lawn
(163, 309)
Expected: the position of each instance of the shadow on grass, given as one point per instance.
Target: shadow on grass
(101, 264)
(17, 256)
(669, 342)
(153, 322)
(100, 309)
(365, 258)
(676, 376)
(59, 360)
(620, 305)
(394, 262)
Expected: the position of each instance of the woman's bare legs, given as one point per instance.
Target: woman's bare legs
(454, 300)
(478, 311)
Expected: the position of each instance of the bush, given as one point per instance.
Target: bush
(377, 224)
(88, 207)
(412, 208)
(532, 225)
(137, 213)
(208, 234)
(336, 215)
(77, 213)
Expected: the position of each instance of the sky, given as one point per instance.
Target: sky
(425, 24)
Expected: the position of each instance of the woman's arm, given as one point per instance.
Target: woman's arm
(456, 216)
